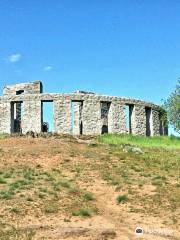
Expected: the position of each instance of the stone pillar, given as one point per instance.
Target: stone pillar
(138, 120)
(91, 116)
(5, 117)
(77, 121)
(117, 118)
(63, 116)
(32, 116)
(155, 122)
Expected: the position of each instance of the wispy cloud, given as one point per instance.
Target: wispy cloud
(48, 68)
(14, 58)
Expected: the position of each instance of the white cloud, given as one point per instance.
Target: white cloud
(14, 57)
(47, 68)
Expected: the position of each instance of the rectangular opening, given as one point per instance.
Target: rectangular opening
(148, 121)
(128, 114)
(47, 117)
(19, 92)
(105, 106)
(16, 117)
(77, 122)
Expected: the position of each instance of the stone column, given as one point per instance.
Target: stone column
(77, 121)
(62, 116)
(117, 118)
(5, 117)
(32, 116)
(91, 116)
(155, 122)
(138, 120)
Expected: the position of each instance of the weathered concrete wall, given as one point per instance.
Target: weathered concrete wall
(138, 120)
(5, 117)
(155, 123)
(62, 116)
(78, 127)
(28, 88)
(93, 114)
(32, 117)
(116, 118)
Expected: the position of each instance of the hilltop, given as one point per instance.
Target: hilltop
(61, 187)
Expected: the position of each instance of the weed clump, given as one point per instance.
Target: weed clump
(122, 199)
(83, 212)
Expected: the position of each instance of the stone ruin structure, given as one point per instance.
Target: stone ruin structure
(21, 111)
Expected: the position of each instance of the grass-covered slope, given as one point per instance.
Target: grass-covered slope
(159, 142)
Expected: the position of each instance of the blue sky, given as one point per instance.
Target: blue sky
(119, 47)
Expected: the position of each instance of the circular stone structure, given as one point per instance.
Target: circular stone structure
(21, 110)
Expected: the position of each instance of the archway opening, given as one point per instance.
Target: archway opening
(47, 120)
(104, 129)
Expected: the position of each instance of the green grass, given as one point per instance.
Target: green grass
(83, 212)
(47, 189)
(141, 141)
(2, 181)
(122, 198)
(6, 194)
(8, 232)
(4, 135)
(88, 196)
(51, 208)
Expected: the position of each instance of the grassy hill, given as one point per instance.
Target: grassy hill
(99, 188)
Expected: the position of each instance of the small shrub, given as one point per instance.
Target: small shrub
(122, 199)
(74, 190)
(84, 212)
(18, 184)
(6, 194)
(65, 184)
(88, 196)
(51, 208)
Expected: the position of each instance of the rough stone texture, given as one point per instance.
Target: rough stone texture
(5, 117)
(138, 120)
(28, 88)
(32, 117)
(63, 116)
(78, 127)
(93, 114)
(117, 118)
(155, 123)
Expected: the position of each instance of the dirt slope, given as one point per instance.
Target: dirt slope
(64, 188)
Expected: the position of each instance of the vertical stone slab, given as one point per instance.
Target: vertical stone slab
(91, 116)
(32, 116)
(63, 116)
(77, 117)
(5, 117)
(117, 118)
(138, 120)
(155, 122)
